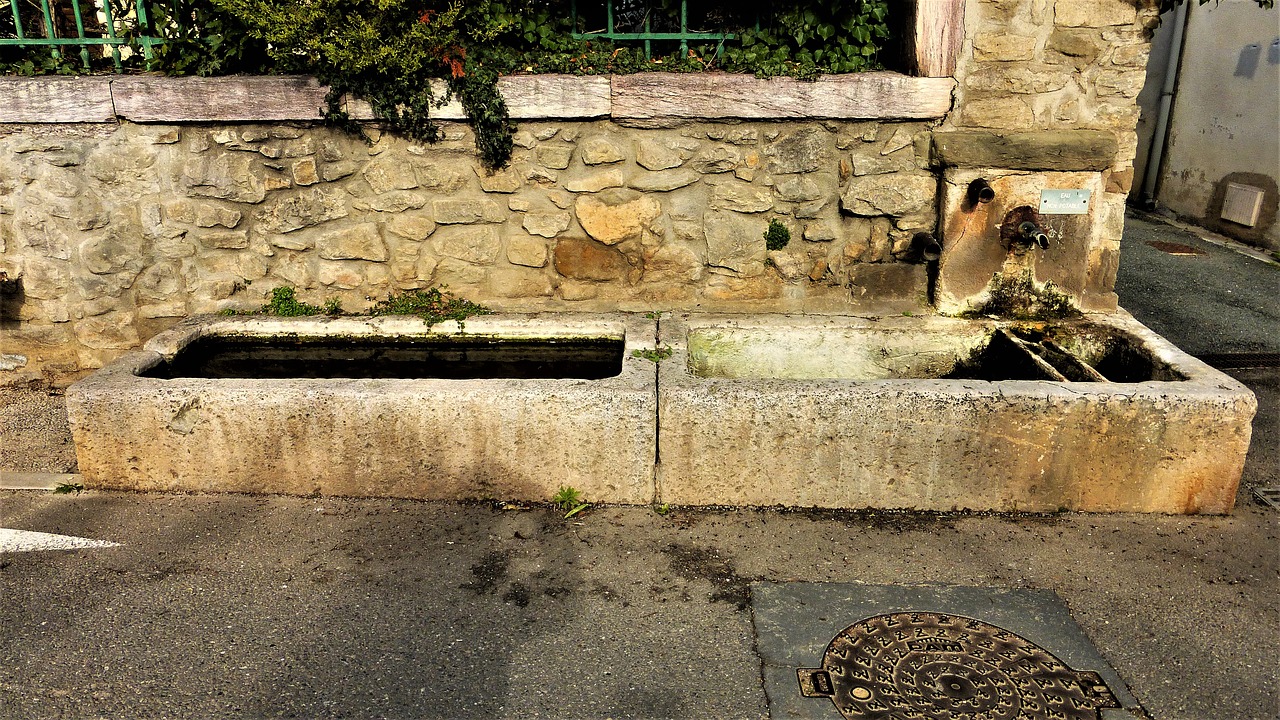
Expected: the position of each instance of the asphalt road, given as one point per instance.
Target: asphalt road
(1218, 302)
(238, 606)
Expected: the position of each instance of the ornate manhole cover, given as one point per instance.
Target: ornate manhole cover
(933, 666)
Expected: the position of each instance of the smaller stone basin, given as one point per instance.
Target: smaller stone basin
(940, 413)
(501, 406)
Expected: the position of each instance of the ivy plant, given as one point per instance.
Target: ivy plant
(409, 57)
(811, 39)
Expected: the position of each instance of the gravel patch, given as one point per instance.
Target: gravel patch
(34, 435)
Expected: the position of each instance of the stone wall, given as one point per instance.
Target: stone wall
(118, 229)
(1048, 73)
(117, 232)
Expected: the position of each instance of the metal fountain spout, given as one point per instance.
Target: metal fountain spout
(1022, 228)
(1029, 232)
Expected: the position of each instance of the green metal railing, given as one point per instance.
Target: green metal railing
(647, 35)
(133, 29)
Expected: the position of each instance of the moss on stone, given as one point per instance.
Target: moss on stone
(1019, 298)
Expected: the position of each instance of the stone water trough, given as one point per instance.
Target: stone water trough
(487, 409)
(939, 413)
(893, 412)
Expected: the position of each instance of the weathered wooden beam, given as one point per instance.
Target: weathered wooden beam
(55, 100)
(234, 98)
(557, 96)
(528, 97)
(1039, 150)
(937, 34)
(266, 98)
(714, 95)
(158, 99)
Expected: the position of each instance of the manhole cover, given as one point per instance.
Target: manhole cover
(1174, 248)
(918, 665)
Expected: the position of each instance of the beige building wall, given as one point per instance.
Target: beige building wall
(1225, 124)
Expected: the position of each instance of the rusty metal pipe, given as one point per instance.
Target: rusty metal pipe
(980, 192)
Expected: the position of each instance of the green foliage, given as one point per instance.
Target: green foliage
(201, 39)
(380, 51)
(284, 303)
(487, 111)
(66, 488)
(777, 235)
(655, 355)
(807, 39)
(433, 305)
(570, 501)
(39, 61)
(389, 52)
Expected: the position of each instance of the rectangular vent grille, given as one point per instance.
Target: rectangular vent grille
(1242, 204)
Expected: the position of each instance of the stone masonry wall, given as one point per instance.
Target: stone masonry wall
(1041, 65)
(117, 230)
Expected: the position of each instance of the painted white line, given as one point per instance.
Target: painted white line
(37, 480)
(27, 541)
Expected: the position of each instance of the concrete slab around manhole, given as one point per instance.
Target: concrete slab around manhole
(795, 622)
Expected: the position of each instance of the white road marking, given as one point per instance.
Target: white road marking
(27, 541)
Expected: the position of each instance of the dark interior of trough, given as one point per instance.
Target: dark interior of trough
(452, 358)
(1072, 354)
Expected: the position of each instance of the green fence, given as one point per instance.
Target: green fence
(645, 33)
(64, 24)
(99, 28)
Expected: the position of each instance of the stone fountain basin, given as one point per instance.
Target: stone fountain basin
(431, 438)
(855, 412)
(904, 412)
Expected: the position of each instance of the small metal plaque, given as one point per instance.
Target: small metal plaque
(913, 665)
(1064, 202)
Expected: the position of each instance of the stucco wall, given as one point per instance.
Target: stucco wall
(1225, 117)
(1149, 98)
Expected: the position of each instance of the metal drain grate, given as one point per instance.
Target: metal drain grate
(1174, 248)
(948, 667)
(1228, 361)
(1268, 496)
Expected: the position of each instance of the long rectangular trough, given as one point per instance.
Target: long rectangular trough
(938, 413)
(404, 411)
(930, 413)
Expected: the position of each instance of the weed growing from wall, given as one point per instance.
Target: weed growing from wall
(285, 303)
(776, 236)
(433, 305)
